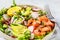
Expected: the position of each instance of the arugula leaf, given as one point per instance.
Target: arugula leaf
(3, 11)
(39, 37)
(41, 12)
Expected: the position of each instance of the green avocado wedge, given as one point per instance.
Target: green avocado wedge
(20, 31)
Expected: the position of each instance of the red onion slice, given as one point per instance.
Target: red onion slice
(35, 9)
(12, 19)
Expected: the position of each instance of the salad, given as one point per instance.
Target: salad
(25, 22)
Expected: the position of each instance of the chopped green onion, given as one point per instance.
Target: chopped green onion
(1, 29)
(14, 4)
(5, 26)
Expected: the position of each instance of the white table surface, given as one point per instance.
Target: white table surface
(53, 4)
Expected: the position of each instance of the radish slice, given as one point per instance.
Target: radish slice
(5, 16)
(31, 28)
(35, 14)
(25, 23)
(35, 9)
(12, 19)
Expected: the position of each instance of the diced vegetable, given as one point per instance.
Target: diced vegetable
(24, 36)
(5, 26)
(1, 18)
(21, 37)
(46, 29)
(43, 18)
(28, 8)
(35, 24)
(42, 12)
(22, 11)
(36, 32)
(28, 17)
(18, 20)
(27, 12)
(30, 22)
(3, 11)
(49, 23)
(15, 17)
(27, 32)
(1, 29)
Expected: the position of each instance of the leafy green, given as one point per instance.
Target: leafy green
(21, 37)
(1, 27)
(5, 26)
(19, 20)
(2, 11)
(7, 31)
(28, 17)
(26, 12)
(1, 18)
(24, 36)
(14, 4)
(15, 17)
(27, 33)
(20, 31)
(47, 33)
(18, 13)
(1, 24)
(41, 12)
(13, 24)
(39, 37)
